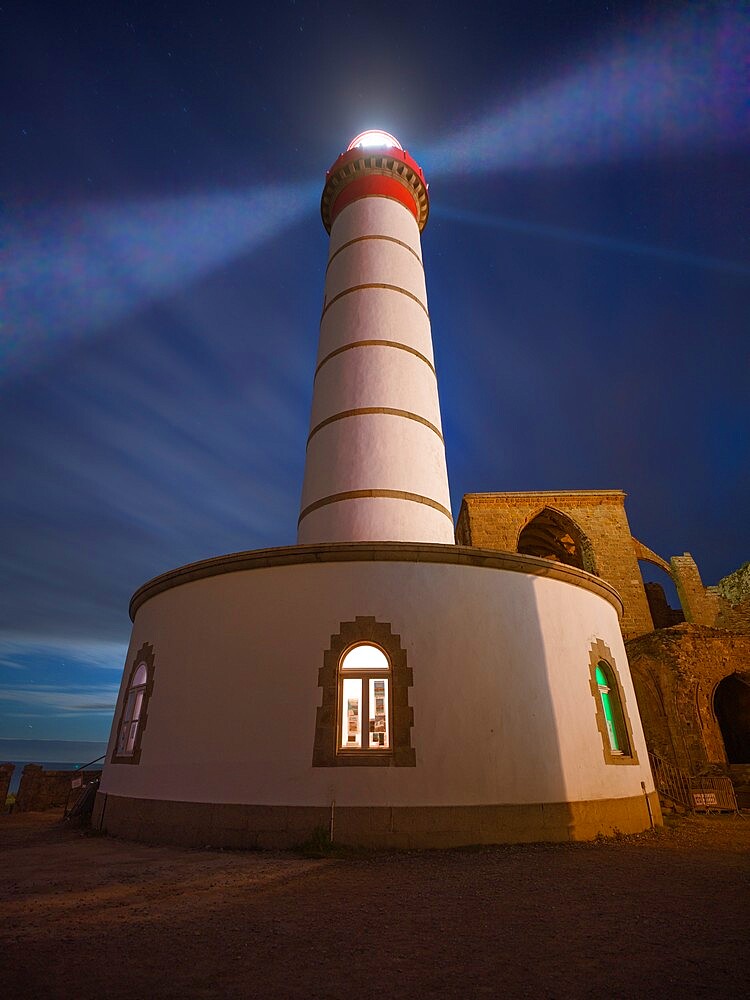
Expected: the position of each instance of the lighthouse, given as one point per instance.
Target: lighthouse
(375, 464)
(375, 681)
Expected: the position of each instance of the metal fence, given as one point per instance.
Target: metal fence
(712, 794)
(698, 793)
(670, 781)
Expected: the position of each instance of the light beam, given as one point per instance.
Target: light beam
(70, 272)
(592, 239)
(680, 87)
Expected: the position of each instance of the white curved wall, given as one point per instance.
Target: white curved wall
(397, 472)
(375, 260)
(375, 376)
(375, 217)
(375, 243)
(503, 708)
(407, 521)
(377, 314)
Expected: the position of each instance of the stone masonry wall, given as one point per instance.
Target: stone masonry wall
(40, 789)
(675, 673)
(6, 775)
(725, 606)
(495, 520)
(662, 614)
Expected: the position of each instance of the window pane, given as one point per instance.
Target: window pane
(365, 657)
(140, 675)
(138, 704)
(131, 737)
(605, 693)
(123, 737)
(128, 715)
(607, 706)
(351, 713)
(379, 735)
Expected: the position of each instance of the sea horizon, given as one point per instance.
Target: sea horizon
(47, 765)
(53, 755)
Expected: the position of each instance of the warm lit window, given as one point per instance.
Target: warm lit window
(133, 717)
(364, 693)
(364, 718)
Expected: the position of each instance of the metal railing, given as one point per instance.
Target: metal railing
(698, 793)
(78, 785)
(670, 781)
(712, 793)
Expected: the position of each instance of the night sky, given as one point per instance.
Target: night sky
(587, 260)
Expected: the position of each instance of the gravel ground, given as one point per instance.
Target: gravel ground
(88, 916)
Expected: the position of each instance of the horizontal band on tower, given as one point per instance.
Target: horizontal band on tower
(365, 494)
(375, 284)
(376, 343)
(365, 410)
(377, 184)
(361, 239)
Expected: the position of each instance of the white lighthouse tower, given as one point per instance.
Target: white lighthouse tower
(375, 468)
(376, 679)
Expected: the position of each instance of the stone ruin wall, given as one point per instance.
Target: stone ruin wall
(40, 789)
(675, 672)
(6, 776)
(495, 520)
(679, 656)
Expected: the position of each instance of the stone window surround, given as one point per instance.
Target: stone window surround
(326, 752)
(599, 652)
(144, 655)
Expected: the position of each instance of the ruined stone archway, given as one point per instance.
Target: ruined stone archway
(732, 708)
(553, 535)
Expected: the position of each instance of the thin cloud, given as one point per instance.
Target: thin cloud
(15, 648)
(97, 701)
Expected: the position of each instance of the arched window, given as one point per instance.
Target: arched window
(611, 713)
(133, 716)
(364, 699)
(552, 535)
(364, 718)
(609, 704)
(732, 707)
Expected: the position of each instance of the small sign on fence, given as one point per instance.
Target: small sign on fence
(710, 792)
(705, 799)
(76, 782)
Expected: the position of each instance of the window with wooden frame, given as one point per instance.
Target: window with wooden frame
(132, 720)
(364, 699)
(364, 718)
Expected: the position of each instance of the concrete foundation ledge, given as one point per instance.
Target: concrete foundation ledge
(200, 824)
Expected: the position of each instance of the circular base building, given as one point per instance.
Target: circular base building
(480, 718)
(375, 684)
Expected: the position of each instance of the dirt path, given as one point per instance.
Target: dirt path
(87, 916)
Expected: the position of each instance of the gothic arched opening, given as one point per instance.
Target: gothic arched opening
(554, 536)
(732, 707)
(661, 594)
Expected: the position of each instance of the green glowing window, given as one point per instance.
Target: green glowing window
(604, 694)
(612, 708)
